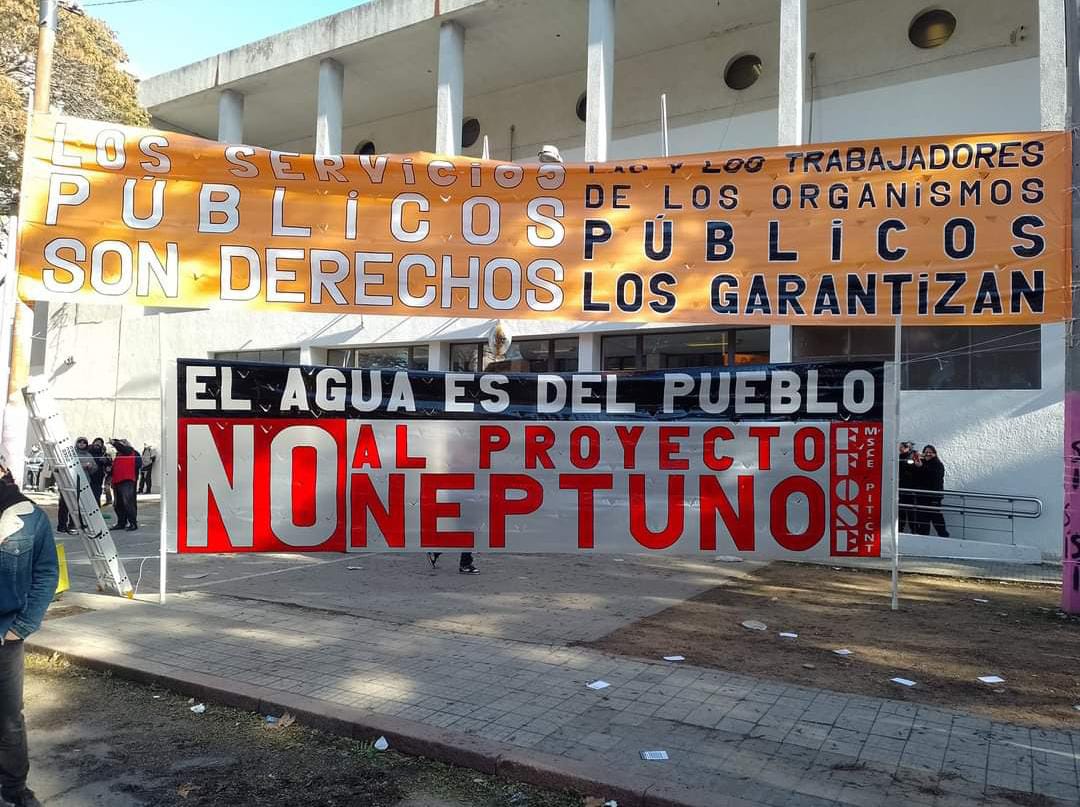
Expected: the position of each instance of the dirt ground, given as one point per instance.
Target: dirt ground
(97, 740)
(941, 638)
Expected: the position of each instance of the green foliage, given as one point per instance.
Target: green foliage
(88, 80)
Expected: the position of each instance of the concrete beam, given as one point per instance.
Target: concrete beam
(344, 29)
(792, 72)
(450, 95)
(599, 79)
(328, 116)
(230, 117)
(1053, 78)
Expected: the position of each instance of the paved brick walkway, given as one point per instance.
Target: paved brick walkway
(767, 742)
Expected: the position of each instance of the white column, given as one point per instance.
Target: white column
(590, 356)
(438, 356)
(790, 119)
(1053, 116)
(792, 72)
(599, 79)
(1053, 77)
(230, 128)
(451, 90)
(328, 117)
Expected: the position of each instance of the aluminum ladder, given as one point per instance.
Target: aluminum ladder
(71, 481)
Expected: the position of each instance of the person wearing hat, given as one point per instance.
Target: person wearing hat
(125, 470)
(28, 575)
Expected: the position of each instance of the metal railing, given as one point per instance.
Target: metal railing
(975, 508)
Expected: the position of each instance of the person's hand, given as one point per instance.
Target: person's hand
(12, 636)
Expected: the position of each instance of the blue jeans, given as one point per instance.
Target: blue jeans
(14, 757)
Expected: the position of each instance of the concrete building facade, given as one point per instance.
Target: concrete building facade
(586, 76)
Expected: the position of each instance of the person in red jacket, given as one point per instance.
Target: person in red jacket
(125, 470)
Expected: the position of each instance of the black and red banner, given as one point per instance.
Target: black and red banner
(768, 461)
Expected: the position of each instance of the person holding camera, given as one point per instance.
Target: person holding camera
(910, 462)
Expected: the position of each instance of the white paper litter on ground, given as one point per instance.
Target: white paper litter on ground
(754, 624)
(843, 651)
(195, 576)
(653, 756)
(199, 708)
(979, 600)
(904, 682)
(381, 744)
(788, 635)
(991, 679)
(674, 658)
(619, 560)
(353, 568)
(598, 685)
(727, 559)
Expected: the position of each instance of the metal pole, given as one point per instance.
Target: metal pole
(663, 124)
(46, 43)
(16, 422)
(1070, 556)
(896, 488)
(163, 460)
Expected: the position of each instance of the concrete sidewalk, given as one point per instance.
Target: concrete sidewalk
(522, 708)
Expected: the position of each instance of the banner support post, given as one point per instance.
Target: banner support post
(896, 476)
(663, 124)
(163, 509)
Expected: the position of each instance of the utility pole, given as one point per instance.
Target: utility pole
(15, 424)
(1070, 556)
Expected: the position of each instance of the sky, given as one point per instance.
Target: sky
(160, 35)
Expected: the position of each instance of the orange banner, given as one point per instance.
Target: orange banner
(946, 230)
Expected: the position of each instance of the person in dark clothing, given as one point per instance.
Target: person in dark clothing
(465, 563)
(106, 466)
(930, 477)
(28, 577)
(909, 465)
(125, 470)
(101, 464)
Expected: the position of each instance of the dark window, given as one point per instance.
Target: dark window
(365, 147)
(404, 357)
(470, 132)
(932, 28)
(742, 72)
(537, 356)
(658, 351)
(285, 356)
(523, 356)
(985, 357)
(469, 357)
(582, 106)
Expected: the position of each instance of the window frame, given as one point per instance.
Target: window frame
(971, 343)
(256, 355)
(481, 347)
(641, 335)
(410, 354)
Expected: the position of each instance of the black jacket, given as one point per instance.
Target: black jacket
(931, 476)
(908, 471)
